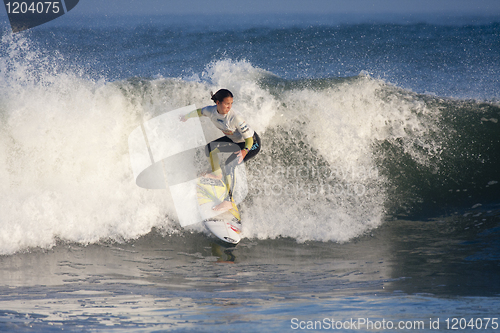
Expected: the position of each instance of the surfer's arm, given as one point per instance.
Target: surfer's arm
(248, 144)
(247, 134)
(242, 153)
(192, 114)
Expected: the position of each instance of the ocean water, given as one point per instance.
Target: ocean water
(374, 204)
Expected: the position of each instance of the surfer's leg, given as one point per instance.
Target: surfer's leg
(232, 161)
(213, 158)
(231, 164)
(225, 145)
(227, 203)
(255, 148)
(223, 206)
(211, 151)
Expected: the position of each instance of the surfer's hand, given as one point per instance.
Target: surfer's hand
(241, 155)
(183, 118)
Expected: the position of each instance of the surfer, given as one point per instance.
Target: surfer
(239, 138)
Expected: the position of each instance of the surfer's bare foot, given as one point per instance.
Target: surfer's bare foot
(211, 175)
(225, 205)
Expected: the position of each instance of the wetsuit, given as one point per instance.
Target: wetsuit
(238, 136)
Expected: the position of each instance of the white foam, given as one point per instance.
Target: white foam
(64, 163)
(65, 167)
(341, 124)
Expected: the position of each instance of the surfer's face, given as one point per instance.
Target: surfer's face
(225, 106)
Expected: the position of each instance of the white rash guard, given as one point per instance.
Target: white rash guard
(232, 125)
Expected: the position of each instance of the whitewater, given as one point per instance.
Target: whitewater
(67, 169)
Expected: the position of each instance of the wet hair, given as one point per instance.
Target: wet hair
(220, 95)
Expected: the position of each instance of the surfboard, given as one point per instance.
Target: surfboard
(226, 226)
